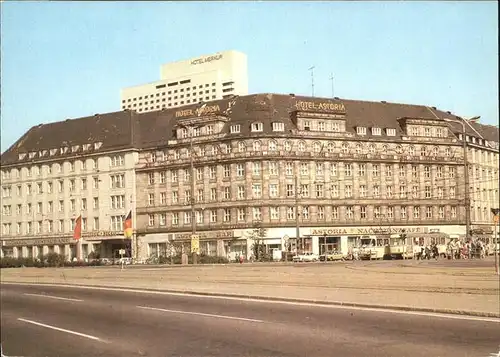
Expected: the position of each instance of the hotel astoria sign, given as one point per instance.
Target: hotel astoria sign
(327, 107)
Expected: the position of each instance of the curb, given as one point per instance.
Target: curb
(279, 299)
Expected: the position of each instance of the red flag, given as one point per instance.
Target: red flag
(127, 226)
(77, 234)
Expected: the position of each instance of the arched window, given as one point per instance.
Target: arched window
(372, 149)
(287, 145)
(242, 147)
(331, 147)
(302, 146)
(359, 149)
(317, 147)
(273, 145)
(435, 151)
(257, 146)
(345, 148)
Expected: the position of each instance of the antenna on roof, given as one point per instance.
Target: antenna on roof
(331, 79)
(312, 79)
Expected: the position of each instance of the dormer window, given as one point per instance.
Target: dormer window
(63, 150)
(473, 140)
(257, 127)
(152, 157)
(361, 130)
(209, 130)
(75, 148)
(307, 126)
(390, 132)
(234, 129)
(480, 141)
(85, 147)
(97, 145)
(22, 156)
(32, 154)
(183, 133)
(278, 126)
(376, 131)
(52, 152)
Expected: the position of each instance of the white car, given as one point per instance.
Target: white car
(306, 257)
(124, 261)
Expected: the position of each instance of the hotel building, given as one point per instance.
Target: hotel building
(334, 170)
(205, 78)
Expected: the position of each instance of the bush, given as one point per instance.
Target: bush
(209, 259)
(48, 260)
(54, 259)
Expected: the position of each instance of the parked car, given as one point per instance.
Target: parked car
(124, 261)
(305, 257)
(332, 256)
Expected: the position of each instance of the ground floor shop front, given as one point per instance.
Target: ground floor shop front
(230, 243)
(233, 243)
(91, 246)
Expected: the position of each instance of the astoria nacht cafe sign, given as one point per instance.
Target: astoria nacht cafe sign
(326, 107)
(206, 59)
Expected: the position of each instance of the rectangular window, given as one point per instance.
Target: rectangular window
(257, 213)
(321, 212)
(241, 215)
(278, 126)
(273, 168)
(274, 213)
(333, 169)
(273, 190)
(348, 169)
(363, 212)
(362, 191)
(256, 168)
(319, 190)
(335, 212)
(256, 190)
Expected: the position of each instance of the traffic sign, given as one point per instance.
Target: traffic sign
(195, 243)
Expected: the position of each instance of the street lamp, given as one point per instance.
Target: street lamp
(190, 129)
(463, 121)
(496, 251)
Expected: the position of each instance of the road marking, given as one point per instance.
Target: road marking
(90, 337)
(53, 297)
(199, 314)
(293, 303)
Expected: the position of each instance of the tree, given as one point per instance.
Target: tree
(258, 248)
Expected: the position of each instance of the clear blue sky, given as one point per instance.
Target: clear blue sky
(66, 60)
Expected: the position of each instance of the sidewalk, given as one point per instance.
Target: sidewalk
(472, 291)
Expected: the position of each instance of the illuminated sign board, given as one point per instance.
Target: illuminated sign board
(320, 107)
(206, 59)
(209, 109)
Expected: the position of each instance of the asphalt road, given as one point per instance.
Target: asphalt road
(59, 321)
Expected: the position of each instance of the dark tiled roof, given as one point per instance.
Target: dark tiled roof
(112, 129)
(489, 132)
(127, 129)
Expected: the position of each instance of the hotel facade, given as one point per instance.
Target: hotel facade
(201, 79)
(331, 170)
